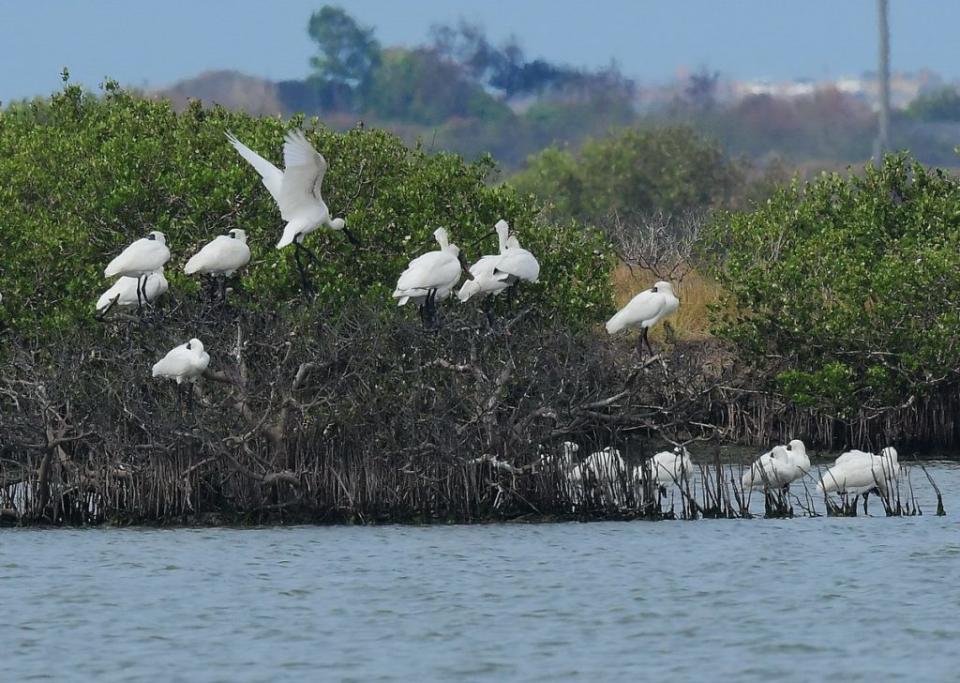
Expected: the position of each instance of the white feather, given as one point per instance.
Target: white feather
(271, 176)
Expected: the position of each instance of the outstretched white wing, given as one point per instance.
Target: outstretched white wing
(271, 175)
(303, 173)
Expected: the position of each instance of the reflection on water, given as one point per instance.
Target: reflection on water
(797, 599)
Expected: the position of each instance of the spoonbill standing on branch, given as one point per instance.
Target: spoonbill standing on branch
(184, 363)
(495, 273)
(430, 277)
(141, 258)
(223, 256)
(297, 191)
(123, 293)
(645, 310)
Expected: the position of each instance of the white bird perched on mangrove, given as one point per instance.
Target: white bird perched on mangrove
(297, 191)
(484, 281)
(184, 363)
(494, 273)
(222, 256)
(670, 467)
(860, 473)
(430, 277)
(123, 293)
(645, 310)
(144, 256)
(516, 263)
(778, 467)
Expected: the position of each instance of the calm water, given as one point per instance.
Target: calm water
(801, 599)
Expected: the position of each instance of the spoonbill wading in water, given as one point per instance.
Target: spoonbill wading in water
(297, 191)
(775, 470)
(146, 255)
(645, 310)
(431, 277)
(222, 257)
(860, 473)
(184, 363)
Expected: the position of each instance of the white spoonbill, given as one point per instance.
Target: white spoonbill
(775, 469)
(184, 363)
(141, 258)
(123, 293)
(607, 470)
(222, 256)
(516, 263)
(297, 191)
(860, 473)
(670, 467)
(484, 281)
(430, 277)
(645, 310)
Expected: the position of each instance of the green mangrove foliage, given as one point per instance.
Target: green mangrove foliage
(632, 174)
(82, 175)
(849, 285)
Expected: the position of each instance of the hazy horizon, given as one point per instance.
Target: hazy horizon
(149, 45)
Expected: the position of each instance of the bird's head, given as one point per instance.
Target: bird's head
(889, 452)
(663, 286)
(157, 236)
(338, 224)
(238, 234)
(797, 446)
(195, 345)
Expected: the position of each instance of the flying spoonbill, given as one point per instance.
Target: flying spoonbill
(297, 191)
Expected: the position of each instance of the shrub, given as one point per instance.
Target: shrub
(848, 285)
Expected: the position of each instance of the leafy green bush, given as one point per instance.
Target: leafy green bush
(849, 285)
(82, 176)
(632, 174)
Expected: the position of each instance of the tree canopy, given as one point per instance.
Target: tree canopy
(81, 176)
(631, 174)
(347, 52)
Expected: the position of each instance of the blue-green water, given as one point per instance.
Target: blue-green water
(747, 600)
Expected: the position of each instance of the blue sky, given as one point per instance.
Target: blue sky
(153, 43)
